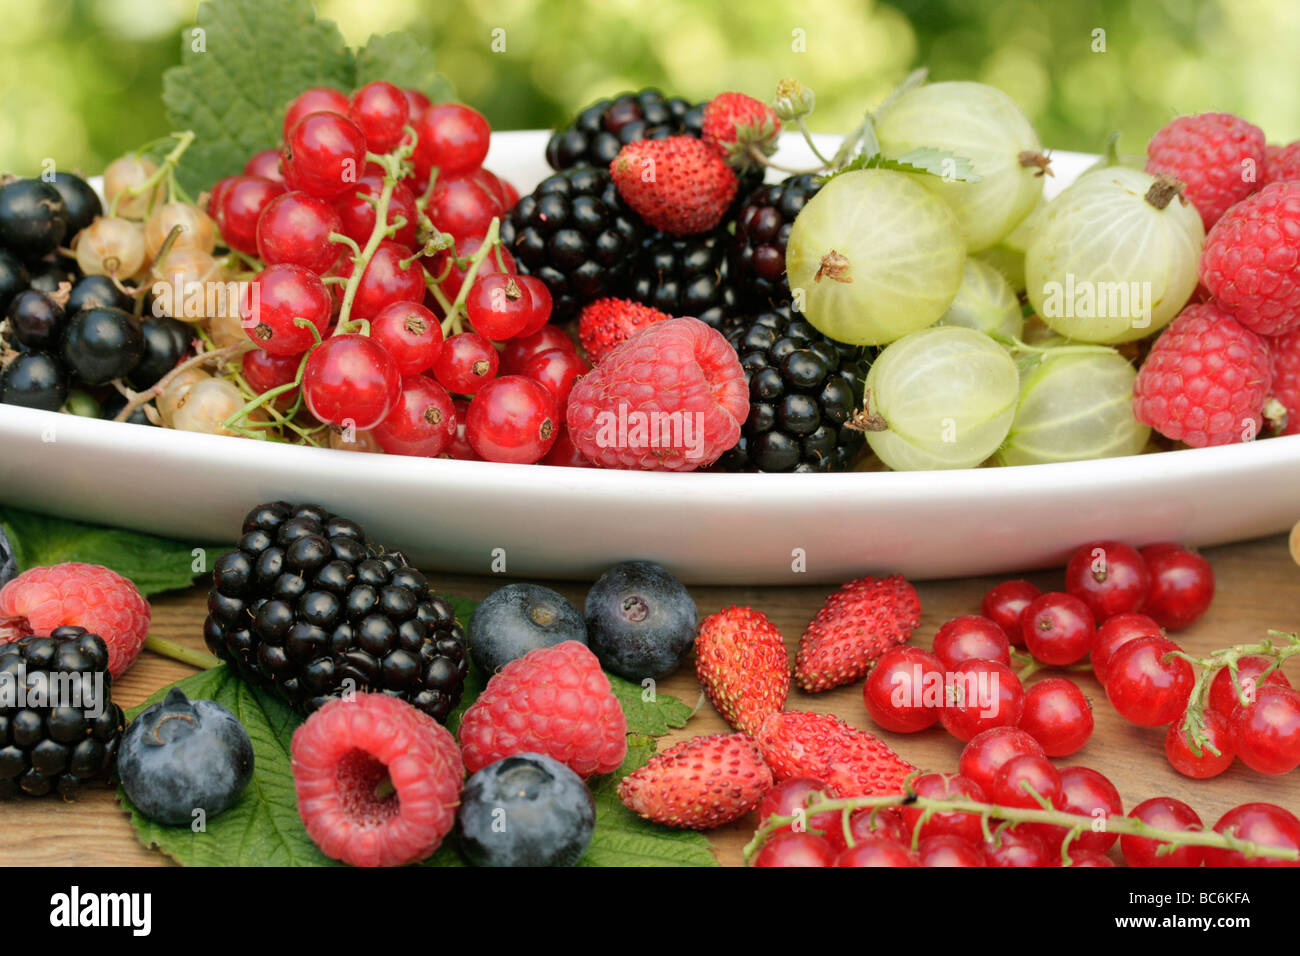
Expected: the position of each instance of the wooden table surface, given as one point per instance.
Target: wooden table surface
(1258, 589)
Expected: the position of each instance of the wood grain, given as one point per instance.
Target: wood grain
(1258, 589)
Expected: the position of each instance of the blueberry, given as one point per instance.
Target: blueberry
(179, 756)
(525, 810)
(641, 620)
(518, 618)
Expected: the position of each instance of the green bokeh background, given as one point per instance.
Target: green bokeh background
(80, 79)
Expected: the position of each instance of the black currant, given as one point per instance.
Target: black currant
(33, 218)
(166, 342)
(36, 321)
(79, 199)
(93, 292)
(34, 380)
(102, 344)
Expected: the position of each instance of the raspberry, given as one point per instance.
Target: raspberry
(1208, 153)
(608, 323)
(1251, 260)
(670, 398)
(1205, 378)
(377, 780)
(1281, 163)
(555, 701)
(82, 595)
(678, 185)
(1285, 352)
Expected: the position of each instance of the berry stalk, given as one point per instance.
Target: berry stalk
(166, 170)
(186, 655)
(455, 311)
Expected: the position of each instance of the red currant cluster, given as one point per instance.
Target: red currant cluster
(383, 301)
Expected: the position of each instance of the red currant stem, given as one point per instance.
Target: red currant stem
(270, 394)
(427, 195)
(253, 265)
(1032, 665)
(345, 241)
(1066, 860)
(397, 225)
(277, 419)
(169, 162)
(203, 358)
(333, 280)
(438, 294)
(1072, 821)
(452, 324)
(846, 816)
(186, 655)
(361, 261)
(413, 257)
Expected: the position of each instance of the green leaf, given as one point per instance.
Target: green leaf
(152, 564)
(404, 61)
(653, 717)
(947, 165)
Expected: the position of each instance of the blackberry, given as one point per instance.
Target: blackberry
(575, 234)
(59, 727)
(757, 254)
(685, 276)
(598, 132)
(803, 391)
(307, 608)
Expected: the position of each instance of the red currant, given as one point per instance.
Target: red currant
(1263, 823)
(944, 786)
(1016, 846)
(1182, 585)
(984, 755)
(1110, 577)
(295, 228)
(219, 188)
(1088, 858)
(564, 453)
(790, 796)
(315, 100)
(242, 202)
(1058, 628)
(979, 695)
(904, 690)
(971, 637)
(445, 267)
(264, 371)
(1004, 604)
(466, 363)
(410, 334)
(877, 851)
(464, 205)
(540, 294)
(1206, 764)
(1225, 695)
(350, 381)
(422, 421)
(1162, 813)
(275, 299)
(1114, 633)
(796, 849)
(1057, 715)
(519, 351)
(265, 164)
(884, 822)
(380, 110)
(1146, 684)
(460, 448)
(325, 154)
(416, 101)
(1088, 793)
(1018, 776)
(357, 215)
(393, 275)
(556, 371)
(512, 419)
(498, 306)
(452, 137)
(1266, 732)
(950, 851)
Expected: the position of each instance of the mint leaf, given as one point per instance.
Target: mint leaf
(152, 564)
(654, 717)
(404, 61)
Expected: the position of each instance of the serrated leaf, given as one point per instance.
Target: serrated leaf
(153, 564)
(404, 61)
(256, 56)
(653, 717)
(948, 166)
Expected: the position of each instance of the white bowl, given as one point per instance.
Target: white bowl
(529, 521)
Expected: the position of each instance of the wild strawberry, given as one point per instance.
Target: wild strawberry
(857, 624)
(849, 761)
(607, 323)
(735, 125)
(741, 663)
(699, 783)
(678, 185)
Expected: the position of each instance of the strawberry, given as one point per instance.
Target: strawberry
(849, 761)
(857, 624)
(699, 783)
(606, 323)
(678, 185)
(741, 663)
(735, 125)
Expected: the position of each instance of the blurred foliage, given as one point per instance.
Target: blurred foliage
(80, 79)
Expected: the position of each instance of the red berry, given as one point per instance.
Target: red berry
(1088, 793)
(1114, 633)
(539, 294)
(950, 851)
(422, 420)
(386, 280)
(219, 188)
(1057, 715)
(466, 363)
(451, 275)
(295, 229)
(1266, 732)
(1019, 776)
(410, 334)
(464, 205)
(1263, 823)
(498, 306)
(971, 636)
(877, 851)
(984, 755)
(556, 371)
(1058, 628)
(315, 100)
(1088, 858)
(416, 100)
(350, 381)
(980, 695)
(357, 215)
(275, 299)
(677, 184)
(452, 137)
(790, 796)
(519, 351)
(1209, 154)
(884, 822)
(460, 448)
(1016, 846)
(1250, 260)
(1005, 602)
(1206, 764)
(1285, 353)
(380, 110)
(242, 202)
(325, 154)
(945, 786)
(1163, 813)
(264, 371)
(564, 454)
(1225, 695)
(512, 419)
(1182, 585)
(1146, 684)
(904, 690)
(796, 849)
(1108, 576)
(265, 164)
